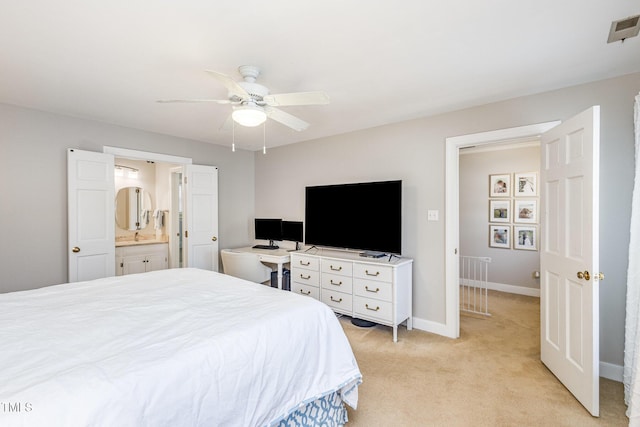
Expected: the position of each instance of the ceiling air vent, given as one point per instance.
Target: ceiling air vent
(624, 29)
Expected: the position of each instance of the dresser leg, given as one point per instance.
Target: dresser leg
(395, 333)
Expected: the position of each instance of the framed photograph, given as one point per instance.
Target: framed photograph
(525, 238)
(500, 236)
(525, 184)
(525, 211)
(499, 210)
(500, 185)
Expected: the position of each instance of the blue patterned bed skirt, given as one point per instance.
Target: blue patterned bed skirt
(327, 411)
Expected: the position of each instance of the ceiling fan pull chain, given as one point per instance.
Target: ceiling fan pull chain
(264, 138)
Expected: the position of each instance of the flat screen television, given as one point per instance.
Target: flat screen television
(365, 216)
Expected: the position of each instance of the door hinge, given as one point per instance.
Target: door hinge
(186, 233)
(185, 179)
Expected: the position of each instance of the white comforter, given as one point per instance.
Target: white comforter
(179, 347)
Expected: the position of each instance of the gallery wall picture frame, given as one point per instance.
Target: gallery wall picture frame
(525, 211)
(500, 185)
(525, 184)
(500, 236)
(525, 238)
(499, 210)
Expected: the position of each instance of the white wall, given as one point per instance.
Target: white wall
(414, 152)
(33, 189)
(508, 266)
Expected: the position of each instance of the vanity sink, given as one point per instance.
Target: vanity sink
(140, 241)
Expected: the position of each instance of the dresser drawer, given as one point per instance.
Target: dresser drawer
(333, 266)
(372, 308)
(382, 273)
(371, 289)
(334, 282)
(310, 291)
(302, 261)
(337, 300)
(306, 277)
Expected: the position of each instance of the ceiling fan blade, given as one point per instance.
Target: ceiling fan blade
(297, 98)
(286, 119)
(231, 85)
(216, 101)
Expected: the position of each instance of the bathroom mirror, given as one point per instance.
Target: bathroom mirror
(133, 208)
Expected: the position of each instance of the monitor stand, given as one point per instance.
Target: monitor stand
(271, 246)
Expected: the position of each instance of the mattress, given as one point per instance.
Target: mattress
(179, 347)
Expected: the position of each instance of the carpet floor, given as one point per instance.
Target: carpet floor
(490, 376)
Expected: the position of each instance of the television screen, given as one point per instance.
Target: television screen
(366, 216)
(292, 231)
(268, 228)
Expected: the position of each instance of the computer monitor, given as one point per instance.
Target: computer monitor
(292, 232)
(268, 229)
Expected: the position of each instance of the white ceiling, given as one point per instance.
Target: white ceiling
(379, 61)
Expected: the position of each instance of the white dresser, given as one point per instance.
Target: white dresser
(378, 290)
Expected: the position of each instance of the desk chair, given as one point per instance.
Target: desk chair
(245, 265)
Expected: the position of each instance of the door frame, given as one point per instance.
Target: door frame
(452, 219)
(145, 155)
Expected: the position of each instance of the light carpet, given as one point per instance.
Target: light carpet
(490, 376)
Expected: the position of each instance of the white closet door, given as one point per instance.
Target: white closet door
(91, 194)
(201, 237)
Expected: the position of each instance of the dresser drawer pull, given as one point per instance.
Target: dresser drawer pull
(366, 288)
(335, 300)
(377, 273)
(335, 269)
(305, 293)
(372, 309)
(302, 276)
(334, 283)
(306, 264)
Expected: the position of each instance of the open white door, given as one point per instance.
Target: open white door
(201, 228)
(569, 299)
(90, 193)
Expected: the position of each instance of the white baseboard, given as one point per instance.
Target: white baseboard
(431, 326)
(513, 289)
(611, 371)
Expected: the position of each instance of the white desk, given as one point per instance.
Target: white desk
(272, 256)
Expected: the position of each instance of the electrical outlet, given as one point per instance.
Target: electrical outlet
(432, 215)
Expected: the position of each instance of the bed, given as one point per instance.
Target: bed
(179, 347)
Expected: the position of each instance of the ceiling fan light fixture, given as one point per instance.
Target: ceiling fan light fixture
(249, 115)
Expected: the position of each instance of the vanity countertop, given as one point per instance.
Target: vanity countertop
(121, 243)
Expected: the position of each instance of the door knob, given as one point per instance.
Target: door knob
(584, 275)
(214, 238)
(75, 249)
(600, 276)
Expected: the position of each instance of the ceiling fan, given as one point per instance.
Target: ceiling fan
(253, 104)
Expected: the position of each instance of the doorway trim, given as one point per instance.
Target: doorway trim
(452, 221)
(146, 155)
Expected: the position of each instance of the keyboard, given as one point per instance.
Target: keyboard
(270, 247)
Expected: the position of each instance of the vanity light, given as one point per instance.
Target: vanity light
(131, 172)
